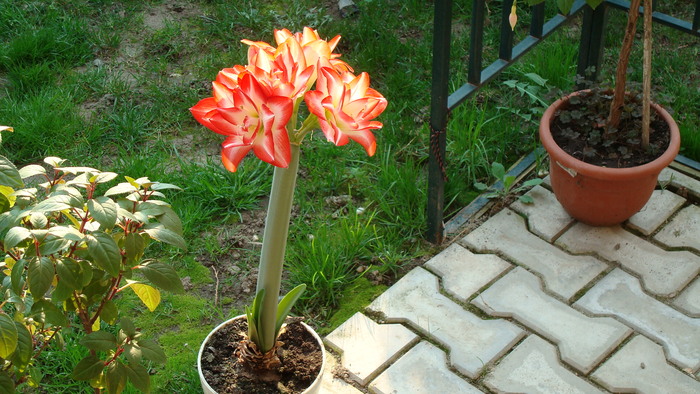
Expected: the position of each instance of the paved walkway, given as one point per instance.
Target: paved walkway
(532, 301)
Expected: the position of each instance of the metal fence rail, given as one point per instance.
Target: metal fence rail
(442, 101)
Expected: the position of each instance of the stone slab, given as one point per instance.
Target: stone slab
(661, 205)
(506, 233)
(583, 341)
(472, 342)
(422, 370)
(640, 367)
(332, 384)
(663, 273)
(533, 367)
(367, 347)
(689, 299)
(619, 294)
(683, 230)
(545, 216)
(463, 273)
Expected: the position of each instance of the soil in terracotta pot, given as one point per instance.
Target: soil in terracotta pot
(579, 130)
(300, 354)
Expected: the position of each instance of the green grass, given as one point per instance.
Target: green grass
(91, 82)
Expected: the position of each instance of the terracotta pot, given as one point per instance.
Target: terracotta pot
(602, 196)
(314, 388)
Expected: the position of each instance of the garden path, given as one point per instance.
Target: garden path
(533, 301)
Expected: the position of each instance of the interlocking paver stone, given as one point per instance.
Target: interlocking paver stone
(422, 370)
(366, 347)
(583, 341)
(640, 366)
(533, 367)
(563, 273)
(679, 179)
(619, 294)
(683, 230)
(472, 342)
(332, 384)
(661, 206)
(545, 217)
(689, 299)
(463, 273)
(663, 272)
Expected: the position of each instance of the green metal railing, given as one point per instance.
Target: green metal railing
(442, 101)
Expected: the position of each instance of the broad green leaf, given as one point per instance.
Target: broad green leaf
(67, 232)
(4, 203)
(133, 353)
(69, 272)
(526, 199)
(565, 6)
(25, 347)
(38, 220)
(115, 377)
(151, 351)
(285, 305)
(138, 376)
(109, 312)
(54, 204)
(103, 177)
(6, 383)
(104, 251)
(162, 234)
(170, 220)
(498, 170)
(76, 170)
(88, 368)
(163, 276)
(164, 186)
(75, 197)
(100, 341)
(480, 186)
(104, 211)
(125, 214)
(120, 189)
(134, 246)
(54, 161)
(45, 311)
(51, 244)
(532, 182)
(31, 170)
(127, 326)
(17, 275)
(9, 176)
(15, 236)
(149, 295)
(40, 274)
(8, 336)
(149, 209)
(508, 181)
(61, 292)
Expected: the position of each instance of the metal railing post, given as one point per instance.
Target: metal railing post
(592, 41)
(442, 26)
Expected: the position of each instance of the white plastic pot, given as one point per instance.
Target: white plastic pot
(314, 388)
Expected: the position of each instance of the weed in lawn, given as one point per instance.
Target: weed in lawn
(505, 188)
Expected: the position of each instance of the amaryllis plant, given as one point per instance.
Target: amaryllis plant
(257, 107)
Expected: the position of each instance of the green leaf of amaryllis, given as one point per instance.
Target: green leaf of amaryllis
(285, 305)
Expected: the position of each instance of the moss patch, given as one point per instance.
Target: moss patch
(354, 299)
